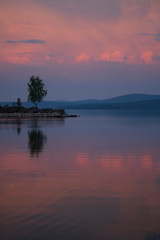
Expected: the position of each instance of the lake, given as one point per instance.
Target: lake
(95, 177)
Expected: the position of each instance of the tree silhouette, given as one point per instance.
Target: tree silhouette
(36, 91)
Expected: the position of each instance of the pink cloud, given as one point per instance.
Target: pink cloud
(82, 58)
(147, 57)
(75, 38)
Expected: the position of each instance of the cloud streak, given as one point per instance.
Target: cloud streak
(29, 41)
(155, 35)
(23, 53)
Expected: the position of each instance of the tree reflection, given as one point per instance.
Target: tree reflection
(19, 122)
(36, 141)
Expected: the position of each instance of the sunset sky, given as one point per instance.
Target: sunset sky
(80, 48)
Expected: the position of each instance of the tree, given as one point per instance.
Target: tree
(18, 103)
(36, 90)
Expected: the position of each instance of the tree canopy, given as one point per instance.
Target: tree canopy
(36, 91)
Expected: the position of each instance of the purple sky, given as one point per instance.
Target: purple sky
(80, 48)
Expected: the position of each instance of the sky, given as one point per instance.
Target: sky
(81, 49)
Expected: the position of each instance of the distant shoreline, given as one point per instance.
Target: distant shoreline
(126, 102)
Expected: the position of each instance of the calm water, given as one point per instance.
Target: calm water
(96, 177)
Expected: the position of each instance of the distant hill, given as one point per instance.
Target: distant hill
(137, 105)
(132, 98)
(130, 101)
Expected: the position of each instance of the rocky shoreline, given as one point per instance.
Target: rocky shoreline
(33, 112)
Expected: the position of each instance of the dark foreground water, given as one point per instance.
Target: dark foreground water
(96, 177)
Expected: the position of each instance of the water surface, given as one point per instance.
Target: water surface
(93, 177)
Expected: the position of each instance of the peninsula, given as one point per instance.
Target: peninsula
(33, 112)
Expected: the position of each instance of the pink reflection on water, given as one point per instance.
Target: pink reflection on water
(146, 161)
(113, 162)
(114, 191)
(82, 159)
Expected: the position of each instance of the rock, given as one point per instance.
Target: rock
(72, 115)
